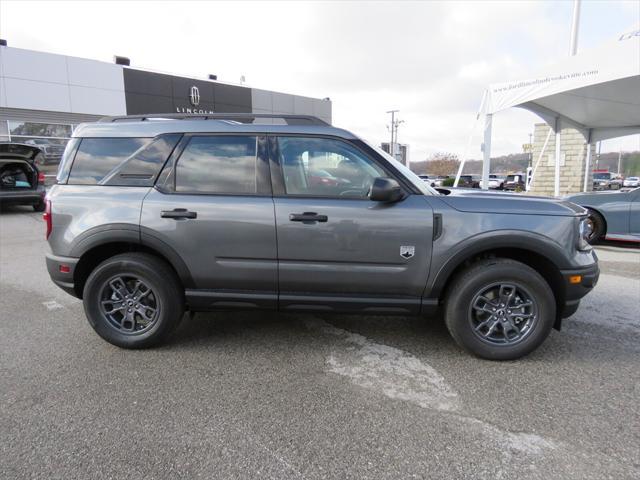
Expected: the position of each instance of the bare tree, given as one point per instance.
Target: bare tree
(442, 163)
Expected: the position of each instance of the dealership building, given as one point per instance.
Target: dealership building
(43, 96)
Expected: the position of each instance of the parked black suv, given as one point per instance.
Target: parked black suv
(154, 216)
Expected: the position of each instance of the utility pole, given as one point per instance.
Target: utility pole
(530, 149)
(394, 132)
(619, 161)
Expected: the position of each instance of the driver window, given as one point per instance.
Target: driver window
(326, 168)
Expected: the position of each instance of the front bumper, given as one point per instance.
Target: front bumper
(63, 279)
(575, 291)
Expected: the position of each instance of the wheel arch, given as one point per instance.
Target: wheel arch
(97, 252)
(539, 255)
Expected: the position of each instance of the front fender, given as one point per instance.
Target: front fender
(446, 261)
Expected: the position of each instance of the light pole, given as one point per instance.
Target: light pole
(573, 48)
(575, 25)
(619, 160)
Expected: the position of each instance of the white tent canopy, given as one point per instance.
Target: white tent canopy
(596, 91)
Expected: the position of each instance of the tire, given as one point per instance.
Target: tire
(463, 320)
(130, 323)
(40, 206)
(598, 226)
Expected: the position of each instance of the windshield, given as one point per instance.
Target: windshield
(408, 174)
(601, 176)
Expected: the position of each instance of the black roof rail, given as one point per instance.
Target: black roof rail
(238, 117)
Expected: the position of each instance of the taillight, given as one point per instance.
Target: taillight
(40, 178)
(46, 216)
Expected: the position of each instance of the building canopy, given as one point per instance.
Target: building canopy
(596, 91)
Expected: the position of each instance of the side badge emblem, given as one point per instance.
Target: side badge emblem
(407, 251)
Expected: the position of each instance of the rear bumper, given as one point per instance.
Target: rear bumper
(575, 291)
(62, 279)
(27, 197)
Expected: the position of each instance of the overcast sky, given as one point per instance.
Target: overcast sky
(431, 60)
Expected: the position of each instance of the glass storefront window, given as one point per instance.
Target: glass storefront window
(32, 129)
(51, 138)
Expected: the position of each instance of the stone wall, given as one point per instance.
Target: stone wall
(573, 149)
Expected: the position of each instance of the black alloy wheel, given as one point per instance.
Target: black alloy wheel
(503, 313)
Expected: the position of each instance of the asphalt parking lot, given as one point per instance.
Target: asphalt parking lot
(266, 395)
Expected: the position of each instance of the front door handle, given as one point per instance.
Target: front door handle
(307, 217)
(178, 213)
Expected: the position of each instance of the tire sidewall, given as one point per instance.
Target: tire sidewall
(457, 314)
(598, 225)
(168, 305)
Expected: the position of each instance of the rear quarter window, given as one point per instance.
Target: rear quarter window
(121, 161)
(96, 157)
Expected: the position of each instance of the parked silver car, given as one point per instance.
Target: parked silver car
(154, 217)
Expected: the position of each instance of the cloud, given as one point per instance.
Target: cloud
(431, 60)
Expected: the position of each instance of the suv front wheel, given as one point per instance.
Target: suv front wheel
(500, 309)
(133, 300)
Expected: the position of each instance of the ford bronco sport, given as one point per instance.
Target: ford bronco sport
(154, 216)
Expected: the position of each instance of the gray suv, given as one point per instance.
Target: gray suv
(155, 216)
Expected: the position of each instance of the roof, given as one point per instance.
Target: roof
(151, 126)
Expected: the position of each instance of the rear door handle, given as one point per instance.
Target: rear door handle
(178, 213)
(307, 217)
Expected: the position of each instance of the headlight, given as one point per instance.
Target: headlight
(585, 228)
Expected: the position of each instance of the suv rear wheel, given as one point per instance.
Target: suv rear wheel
(133, 300)
(500, 309)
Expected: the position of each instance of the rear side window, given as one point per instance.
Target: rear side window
(121, 161)
(67, 160)
(96, 157)
(218, 165)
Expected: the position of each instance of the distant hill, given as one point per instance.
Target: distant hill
(630, 164)
(518, 162)
(505, 164)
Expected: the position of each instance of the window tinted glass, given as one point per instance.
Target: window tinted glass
(97, 157)
(67, 160)
(142, 168)
(218, 164)
(326, 167)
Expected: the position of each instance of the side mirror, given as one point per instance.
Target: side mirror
(385, 190)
